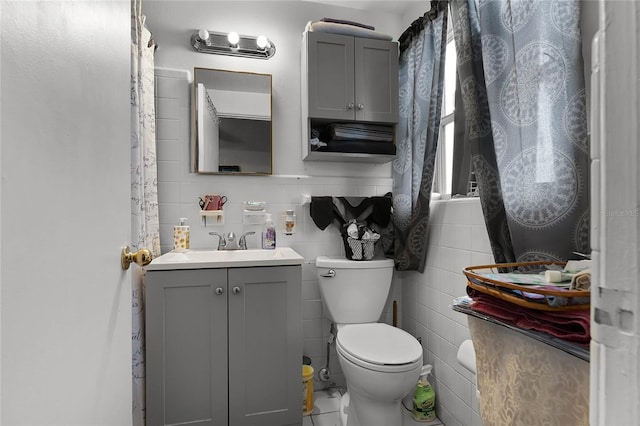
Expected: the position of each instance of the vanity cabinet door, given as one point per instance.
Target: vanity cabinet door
(186, 351)
(224, 346)
(265, 346)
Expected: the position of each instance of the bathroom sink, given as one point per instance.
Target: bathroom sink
(197, 259)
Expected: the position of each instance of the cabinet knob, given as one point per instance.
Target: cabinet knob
(351, 105)
(236, 290)
(360, 106)
(219, 291)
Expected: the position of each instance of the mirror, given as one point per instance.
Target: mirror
(232, 122)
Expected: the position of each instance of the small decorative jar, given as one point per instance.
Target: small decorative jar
(288, 222)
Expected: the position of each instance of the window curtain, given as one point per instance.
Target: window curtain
(421, 73)
(144, 191)
(522, 79)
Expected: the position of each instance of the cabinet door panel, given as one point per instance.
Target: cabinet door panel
(331, 76)
(186, 348)
(376, 68)
(265, 346)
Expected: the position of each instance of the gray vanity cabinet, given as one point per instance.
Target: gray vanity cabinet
(224, 346)
(351, 78)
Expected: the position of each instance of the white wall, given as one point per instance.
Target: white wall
(457, 234)
(457, 238)
(615, 229)
(179, 191)
(283, 22)
(173, 22)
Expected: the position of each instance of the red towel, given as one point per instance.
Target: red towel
(572, 326)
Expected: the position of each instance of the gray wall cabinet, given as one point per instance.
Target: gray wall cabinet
(352, 78)
(347, 79)
(224, 346)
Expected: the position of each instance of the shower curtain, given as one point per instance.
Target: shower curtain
(522, 79)
(422, 48)
(144, 191)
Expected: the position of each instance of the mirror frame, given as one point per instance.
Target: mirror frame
(194, 124)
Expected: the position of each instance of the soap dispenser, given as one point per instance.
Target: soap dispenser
(268, 233)
(181, 236)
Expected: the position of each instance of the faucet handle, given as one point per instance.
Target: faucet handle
(243, 240)
(222, 242)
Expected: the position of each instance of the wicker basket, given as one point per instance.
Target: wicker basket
(482, 279)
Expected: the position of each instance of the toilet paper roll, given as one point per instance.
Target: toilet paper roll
(467, 356)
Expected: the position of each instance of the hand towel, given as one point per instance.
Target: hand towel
(572, 326)
(321, 211)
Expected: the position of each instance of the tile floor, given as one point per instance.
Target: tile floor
(327, 404)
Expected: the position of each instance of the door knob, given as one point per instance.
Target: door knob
(141, 257)
(360, 106)
(350, 105)
(219, 291)
(236, 290)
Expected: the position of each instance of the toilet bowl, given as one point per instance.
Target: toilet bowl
(381, 363)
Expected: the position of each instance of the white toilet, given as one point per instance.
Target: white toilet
(381, 363)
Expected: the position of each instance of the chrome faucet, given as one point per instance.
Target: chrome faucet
(229, 242)
(242, 243)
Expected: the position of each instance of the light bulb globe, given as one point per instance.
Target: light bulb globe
(203, 34)
(233, 38)
(262, 42)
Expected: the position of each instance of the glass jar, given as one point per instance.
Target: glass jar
(289, 222)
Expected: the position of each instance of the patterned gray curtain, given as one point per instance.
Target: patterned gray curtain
(145, 225)
(522, 79)
(422, 49)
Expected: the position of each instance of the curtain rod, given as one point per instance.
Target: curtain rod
(416, 26)
(436, 7)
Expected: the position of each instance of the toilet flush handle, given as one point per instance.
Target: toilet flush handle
(330, 274)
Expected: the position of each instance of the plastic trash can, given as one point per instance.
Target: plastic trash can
(307, 390)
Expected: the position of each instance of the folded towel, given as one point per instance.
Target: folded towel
(572, 326)
(360, 147)
(359, 131)
(335, 28)
(581, 280)
(343, 21)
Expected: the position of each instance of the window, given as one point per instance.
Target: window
(443, 174)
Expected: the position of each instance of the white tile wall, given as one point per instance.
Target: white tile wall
(179, 189)
(457, 239)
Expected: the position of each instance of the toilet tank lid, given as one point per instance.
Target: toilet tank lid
(341, 262)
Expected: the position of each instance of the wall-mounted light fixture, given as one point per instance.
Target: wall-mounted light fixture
(232, 44)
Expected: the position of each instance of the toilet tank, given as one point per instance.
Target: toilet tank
(356, 291)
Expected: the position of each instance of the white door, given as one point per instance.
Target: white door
(65, 212)
(615, 235)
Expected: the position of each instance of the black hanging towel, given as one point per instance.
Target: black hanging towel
(370, 210)
(324, 210)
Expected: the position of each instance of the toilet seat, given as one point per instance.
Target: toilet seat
(379, 347)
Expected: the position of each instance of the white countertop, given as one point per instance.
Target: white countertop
(201, 259)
